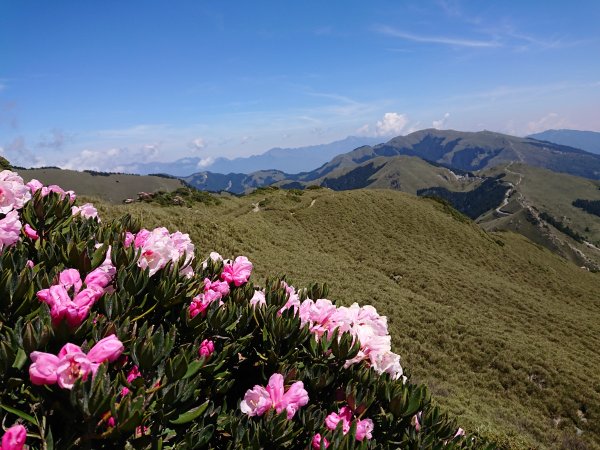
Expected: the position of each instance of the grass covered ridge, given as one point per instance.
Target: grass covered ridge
(502, 331)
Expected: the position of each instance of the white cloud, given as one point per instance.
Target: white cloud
(365, 130)
(205, 162)
(114, 159)
(197, 144)
(440, 124)
(391, 124)
(549, 121)
(443, 40)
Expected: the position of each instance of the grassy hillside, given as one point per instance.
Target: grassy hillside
(113, 188)
(503, 332)
(404, 173)
(539, 194)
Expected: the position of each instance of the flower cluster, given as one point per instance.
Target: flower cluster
(159, 247)
(213, 291)
(363, 322)
(35, 185)
(87, 211)
(68, 301)
(236, 272)
(259, 400)
(72, 363)
(13, 196)
(13, 192)
(14, 438)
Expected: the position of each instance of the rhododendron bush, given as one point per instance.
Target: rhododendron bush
(114, 336)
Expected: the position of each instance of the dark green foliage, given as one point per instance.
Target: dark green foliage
(591, 206)
(355, 179)
(561, 226)
(5, 164)
(185, 196)
(472, 203)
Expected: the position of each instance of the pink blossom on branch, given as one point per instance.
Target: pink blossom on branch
(107, 349)
(364, 427)
(72, 363)
(316, 442)
(14, 438)
(237, 272)
(30, 232)
(87, 211)
(13, 193)
(159, 247)
(43, 369)
(259, 400)
(206, 349)
(10, 229)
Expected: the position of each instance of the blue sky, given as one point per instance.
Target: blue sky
(102, 84)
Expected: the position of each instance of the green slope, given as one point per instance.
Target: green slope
(503, 332)
(537, 192)
(110, 187)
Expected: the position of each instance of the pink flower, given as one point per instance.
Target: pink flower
(416, 421)
(256, 401)
(459, 432)
(292, 400)
(214, 256)
(201, 302)
(43, 369)
(237, 272)
(258, 299)
(30, 264)
(206, 349)
(101, 276)
(58, 190)
(129, 238)
(293, 299)
(70, 278)
(30, 232)
(87, 211)
(72, 367)
(259, 400)
(14, 438)
(107, 349)
(316, 442)
(222, 287)
(364, 429)
(34, 185)
(132, 375)
(159, 247)
(13, 193)
(111, 422)
(10, 229)
(72, 363)
(75, 310)
(344, 415)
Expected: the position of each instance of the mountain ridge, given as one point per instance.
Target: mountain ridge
(586, 140)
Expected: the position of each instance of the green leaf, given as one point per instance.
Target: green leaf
(19, 413)
(20, 359)
(191, 414)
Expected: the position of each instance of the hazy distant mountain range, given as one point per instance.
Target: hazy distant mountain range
(457, 150)
(585, 140)
(291, 160)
